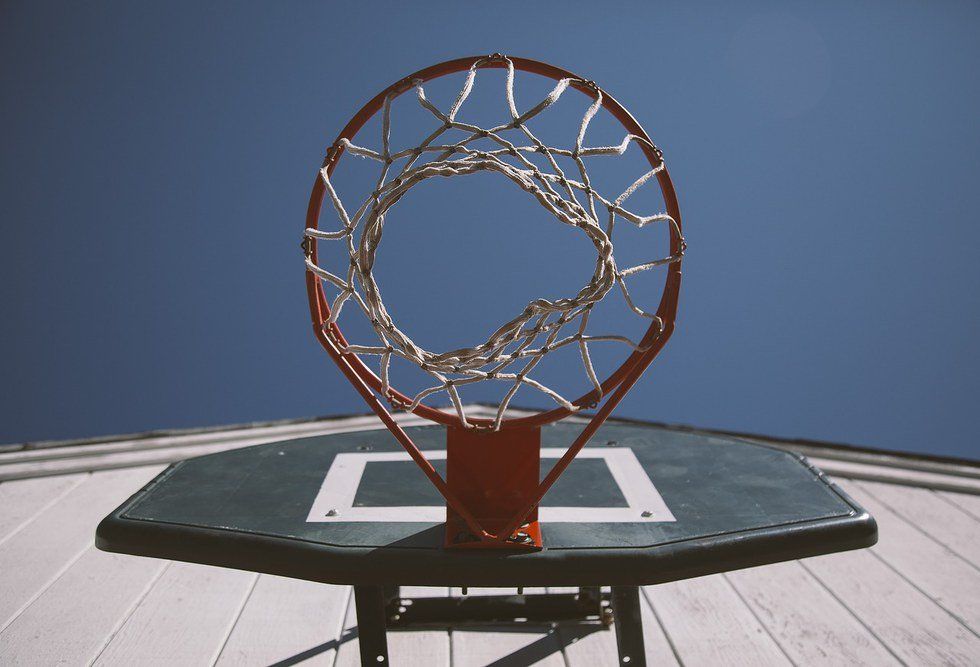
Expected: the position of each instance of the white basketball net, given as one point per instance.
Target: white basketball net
(511, 352)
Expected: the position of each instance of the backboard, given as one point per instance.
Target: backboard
(641, 504)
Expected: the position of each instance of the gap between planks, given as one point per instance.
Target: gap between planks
(38, 554)
(951, 581)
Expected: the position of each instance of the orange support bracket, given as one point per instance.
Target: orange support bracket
(494, 475)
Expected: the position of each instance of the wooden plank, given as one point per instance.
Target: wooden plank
(901, 476)
(115, 446)
(115, 461)
(147, 451)
(94, 450)
(506, 644)
(22, 501)
(944, 522)
(586, 645)
(950, 581)
(184, 619)
(808, 623)
(284, 429)
(73, 619)
(836, 452)
(420, 647)
(482, 645)
(287, 620)
(348, 652)
(659, 649)
(270, 433)
(407, 647)
(709, 624)
(907, 621)
(33, 558)
(968, 503)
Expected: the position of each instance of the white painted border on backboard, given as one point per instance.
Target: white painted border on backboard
(335, 500)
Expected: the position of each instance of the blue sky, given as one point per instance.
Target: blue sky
(157, 162)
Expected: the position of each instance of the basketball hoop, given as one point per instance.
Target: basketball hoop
(492, 484)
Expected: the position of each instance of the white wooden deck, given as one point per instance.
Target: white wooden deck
(914, 599)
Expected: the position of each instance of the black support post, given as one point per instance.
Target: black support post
(371, 633)
(629, 625)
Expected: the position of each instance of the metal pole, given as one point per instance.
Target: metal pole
(371, 634)
(629, 625)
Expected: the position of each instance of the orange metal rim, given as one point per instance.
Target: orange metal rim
(654, 338)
